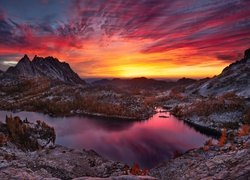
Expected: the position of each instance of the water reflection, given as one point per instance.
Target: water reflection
(146, 142)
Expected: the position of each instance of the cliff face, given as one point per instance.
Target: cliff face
(48, 67)
(235, 78)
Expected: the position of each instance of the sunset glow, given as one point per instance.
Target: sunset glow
(127, 38)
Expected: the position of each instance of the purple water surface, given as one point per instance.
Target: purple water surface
(147, 142)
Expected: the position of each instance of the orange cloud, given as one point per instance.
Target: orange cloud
(128, 38)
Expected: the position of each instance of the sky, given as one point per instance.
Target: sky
(127, 38)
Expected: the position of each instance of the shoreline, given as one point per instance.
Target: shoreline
(202, 162)
(61, 162)
(85, 114)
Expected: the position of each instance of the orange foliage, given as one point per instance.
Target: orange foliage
(209, 142)
(232, 148)
(177, 154)
(245, 146)
(145, 171)
(244, 130)
(206, 148)
(228, 96)
(135, 170)
(3, 139)
(223, 138)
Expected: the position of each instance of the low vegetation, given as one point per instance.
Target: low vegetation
(25, 136)
(3, 139)
(135, 170)
(223, 138)
(55, 98)
(207, 106)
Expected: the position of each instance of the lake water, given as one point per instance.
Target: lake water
(147, 142)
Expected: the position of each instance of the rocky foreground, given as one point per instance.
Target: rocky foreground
(57, 163)
(230, 161)
(227, 159)
(64, 163)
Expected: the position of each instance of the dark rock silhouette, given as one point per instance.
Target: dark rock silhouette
(48, 67)
(247, 53)
(144, 83)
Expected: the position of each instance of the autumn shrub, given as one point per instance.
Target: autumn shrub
(245, 146)
(177, 154)
(244, 130)
(232, 148)
(15, 128)
(3, 139)
(22, 134)
(19, 133)
(209, 142)
(228, 95)
(210, 105)
(206, 148)
(47, 150)
(135, 170)
(175, 95)
(177, 111)
(223, 137)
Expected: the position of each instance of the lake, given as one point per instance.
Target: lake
(148, 142)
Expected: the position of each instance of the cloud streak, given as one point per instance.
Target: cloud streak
(79, 31)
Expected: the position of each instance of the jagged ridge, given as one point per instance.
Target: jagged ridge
(48, 67)
(234, 78)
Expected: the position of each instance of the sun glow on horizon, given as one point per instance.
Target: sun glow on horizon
(124, 39)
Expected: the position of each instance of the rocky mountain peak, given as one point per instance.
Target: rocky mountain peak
(25, 59)
(235, 78)
(247, 53)
(26, 56)
(48, 67)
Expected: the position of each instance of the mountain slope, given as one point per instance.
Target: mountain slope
(235, 78)
(48, 67)
(143, 83)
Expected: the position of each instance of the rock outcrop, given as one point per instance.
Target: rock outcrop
(57, 162)
(26, 135)
(48, 67)
(231, 161)
(18, 160)
(247, 54)
(235, 78)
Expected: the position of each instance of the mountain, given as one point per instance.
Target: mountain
(48, 67)
(234, 78)
(143, 83)
(186, 81)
